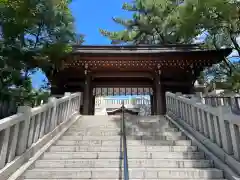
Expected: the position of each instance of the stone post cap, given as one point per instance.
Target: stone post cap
(52, 100)
(24, 109)
(67, 94)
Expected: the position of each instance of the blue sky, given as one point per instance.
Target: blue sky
(90, 15)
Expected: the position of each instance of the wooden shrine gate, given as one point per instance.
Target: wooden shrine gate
(143, 70)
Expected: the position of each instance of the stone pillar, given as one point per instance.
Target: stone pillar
(86, 94)
(160, 96)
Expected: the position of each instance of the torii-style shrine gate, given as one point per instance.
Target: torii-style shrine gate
(125, 70)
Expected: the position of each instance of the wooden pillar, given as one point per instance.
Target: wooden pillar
(81, 104)
(163, 98)
(152, 104)
(154, 101)
(86, 94)
(90, 100)
(160, 96)
(93, 104)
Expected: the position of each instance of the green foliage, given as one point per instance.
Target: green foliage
(171, 22)
(220, 20)
(34, 34)
(151, 23)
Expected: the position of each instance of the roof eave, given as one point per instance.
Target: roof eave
(144, 49)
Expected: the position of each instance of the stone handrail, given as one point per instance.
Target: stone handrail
(20, 132)
(215, 127)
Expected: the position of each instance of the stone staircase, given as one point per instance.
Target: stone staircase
(90, 149)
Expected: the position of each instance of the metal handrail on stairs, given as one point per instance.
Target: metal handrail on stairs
(123, 146)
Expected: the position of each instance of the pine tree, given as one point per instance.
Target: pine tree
(151, 23)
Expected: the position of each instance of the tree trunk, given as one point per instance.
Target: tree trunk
(228, 64)
(234, 41)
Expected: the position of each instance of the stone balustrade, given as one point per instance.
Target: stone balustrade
(215, 127)
(24, 133)
(232, 101)
(221, 100)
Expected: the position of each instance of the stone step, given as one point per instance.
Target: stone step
(132, 163)
(101, 173)
(114, 133)
(129, 143)
(118, 179)
(111, 120)
(115, 155)
(117, 148)
(145, 125)
(109, 124)
(87, 129)
(117, 138)
(128, 129)
(104, 125)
